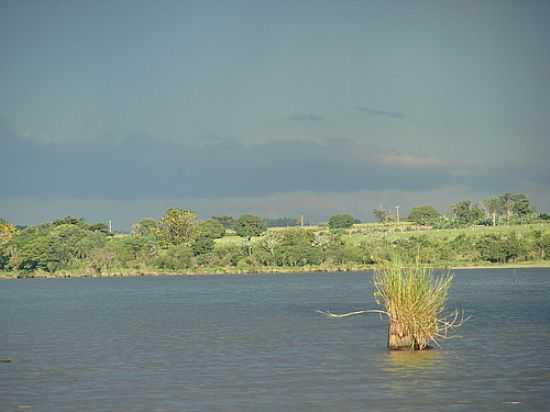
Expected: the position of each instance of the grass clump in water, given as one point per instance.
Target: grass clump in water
(414, 301)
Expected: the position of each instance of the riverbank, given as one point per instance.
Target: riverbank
(70, 250)
(232, 271)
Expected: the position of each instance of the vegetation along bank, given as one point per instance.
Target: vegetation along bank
(500, 231)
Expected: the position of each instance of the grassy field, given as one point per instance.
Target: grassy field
(391, 232)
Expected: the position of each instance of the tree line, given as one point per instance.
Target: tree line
(508, 208)
(179, 241)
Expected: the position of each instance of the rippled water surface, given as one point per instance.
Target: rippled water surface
(256, 344)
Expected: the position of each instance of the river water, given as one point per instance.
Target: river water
(256, 343)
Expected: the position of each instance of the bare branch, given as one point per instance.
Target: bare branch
(331, 315)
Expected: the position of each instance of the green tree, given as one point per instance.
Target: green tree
(515, 204)
(507, 204)
(176, 257)
(249, 225)
(212, 229)
(229, 255)
(493, 206)
(423, 215)
(335, 249)
(341, 221)
(295, 247)
(521, 206)
(466, 212)
(265, 250)
(99, 227)
(282, 222)
(202, 245)
(101, 260)
(541, 243)
(228, 222)
(501, 248)
(68, 220)
(53, 247)
(382, 215)
(7, 231)
(147, 228)
(179, 226)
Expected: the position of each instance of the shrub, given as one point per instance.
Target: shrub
(424, 215)
(343, 221)
(503, 248)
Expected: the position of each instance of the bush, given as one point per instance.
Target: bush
(249, 225)
(424, 215)
(212, 229)
(343, 221)
(202, 245)
(501, 248)
(176, 258)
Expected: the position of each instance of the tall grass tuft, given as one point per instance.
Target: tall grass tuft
(414, 301)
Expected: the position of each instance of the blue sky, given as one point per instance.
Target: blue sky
(119, 109)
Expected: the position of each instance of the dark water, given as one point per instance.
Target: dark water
(257, 344)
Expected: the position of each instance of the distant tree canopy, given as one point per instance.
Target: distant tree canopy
(7, 230)
(520, 205)
(424, 215)
(68, 220)
(492, 207)
(146, 228)
(179, 226)
(282, 222)
(202, 245)
(466, 213)
(291, 247)
(79, 221)
(382, 215)
(179, 241)
(341, 221)
(228, 222)
(51, 247)
(249, 225)
(508, 205)
(495, 248)
(211, 229)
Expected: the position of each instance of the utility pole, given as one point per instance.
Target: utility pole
(397, 214)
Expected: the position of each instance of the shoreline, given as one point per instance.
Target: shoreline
(256, 271)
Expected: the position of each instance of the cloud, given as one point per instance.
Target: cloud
(305, 117)
(376, 112)
(407, 160)
(140, 167)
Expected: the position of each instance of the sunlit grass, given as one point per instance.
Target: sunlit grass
(415, 300)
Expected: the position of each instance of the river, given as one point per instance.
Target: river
(256, 343)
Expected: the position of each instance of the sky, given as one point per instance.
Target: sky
(120, 109)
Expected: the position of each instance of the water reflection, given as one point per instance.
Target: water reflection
(411, 362)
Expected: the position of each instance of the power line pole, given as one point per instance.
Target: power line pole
(397, 214)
